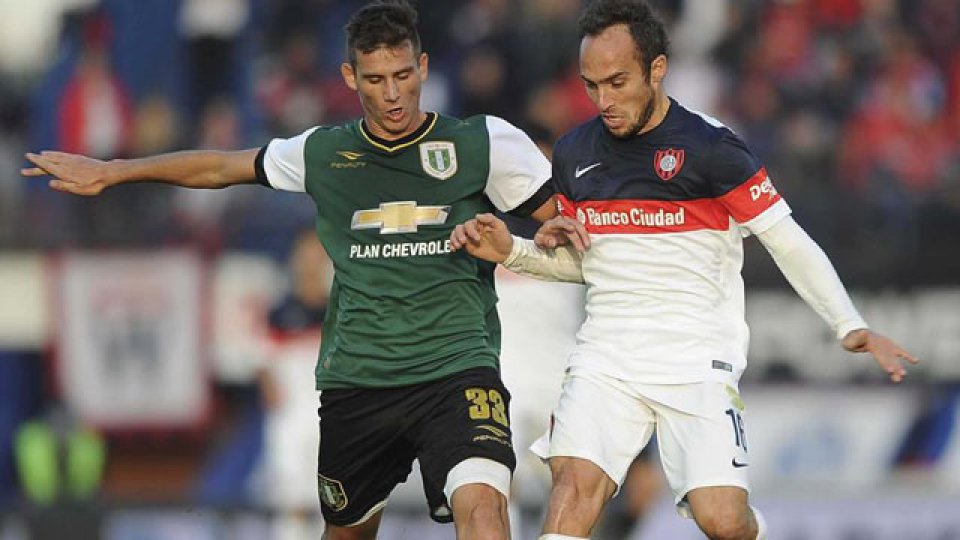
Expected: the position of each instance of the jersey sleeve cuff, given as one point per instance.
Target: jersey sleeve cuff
(770, 217)
(261, 171)
(850, 325)
(515, 251)
(535, 201)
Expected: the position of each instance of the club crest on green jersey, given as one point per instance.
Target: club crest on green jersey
(439, 159)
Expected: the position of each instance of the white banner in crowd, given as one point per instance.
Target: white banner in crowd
(244, 289)
(815, 440)
(785, 331)
(129, 338)
(24, 302)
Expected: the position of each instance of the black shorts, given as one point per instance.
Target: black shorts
(370, 437)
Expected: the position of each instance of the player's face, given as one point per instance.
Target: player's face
(388, 80)
(616, 81)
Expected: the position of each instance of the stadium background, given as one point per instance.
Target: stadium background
(141, 313)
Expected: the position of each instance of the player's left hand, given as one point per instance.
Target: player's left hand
(485, 237)
(886, 353)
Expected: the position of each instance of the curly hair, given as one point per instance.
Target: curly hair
(646, 28)
(383, 23)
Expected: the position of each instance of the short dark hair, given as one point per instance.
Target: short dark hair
(383, 23)
(646, 27)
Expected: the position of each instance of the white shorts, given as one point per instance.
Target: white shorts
(608, 421)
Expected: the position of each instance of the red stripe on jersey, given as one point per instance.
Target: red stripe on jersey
(751, 198)
(566, 207)
(646, 216)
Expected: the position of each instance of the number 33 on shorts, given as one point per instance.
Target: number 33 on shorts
(487, 404)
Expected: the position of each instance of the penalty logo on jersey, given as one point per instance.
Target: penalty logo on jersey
(399, 217)
(439, 159)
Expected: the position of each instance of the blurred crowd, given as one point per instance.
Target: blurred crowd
(854, 105)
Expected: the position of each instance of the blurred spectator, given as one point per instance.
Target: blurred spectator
(758, 113)
(11, 144)
(211, 30)
(481, 21)
(787, 39)
(836, 14)
(296, 95)
(201, 211)
(58, 459)
(488, 43)
(29, 33)
(938, 231)
(696, 27)
(288, 393)
(483, 77)
(291, 93)
(95, 114)
(899, 128)
(937, 27)
(156, 126)
(560, 105)
(838, 89)
(549, 39)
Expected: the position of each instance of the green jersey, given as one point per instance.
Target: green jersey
(404, 309)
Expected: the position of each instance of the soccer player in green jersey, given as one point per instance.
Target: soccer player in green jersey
(408, 365)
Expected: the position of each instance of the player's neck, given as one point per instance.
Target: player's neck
(660, 107)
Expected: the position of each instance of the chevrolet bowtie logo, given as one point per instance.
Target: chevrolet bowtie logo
(399, 217)
(352, 156)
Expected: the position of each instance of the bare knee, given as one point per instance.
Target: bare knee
(480, 513)
(722, 513)
(727, 524)
(580, 490)
(571, 493)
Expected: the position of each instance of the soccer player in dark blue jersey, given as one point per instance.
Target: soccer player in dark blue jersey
(655, 199)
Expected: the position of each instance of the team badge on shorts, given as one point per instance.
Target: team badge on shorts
(667, 163)
(332, 493)
(439, 159)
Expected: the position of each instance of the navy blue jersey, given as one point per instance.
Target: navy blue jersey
(689, 161)
(666, 211)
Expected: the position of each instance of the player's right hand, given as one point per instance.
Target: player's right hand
(72, 173)
(485, 237)
(560, 231)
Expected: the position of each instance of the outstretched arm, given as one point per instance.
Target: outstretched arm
(487, 237)
(82, 175)
(811, 274)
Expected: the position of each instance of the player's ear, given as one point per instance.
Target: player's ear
(658, 69)
(349, 75)
(424, 64)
